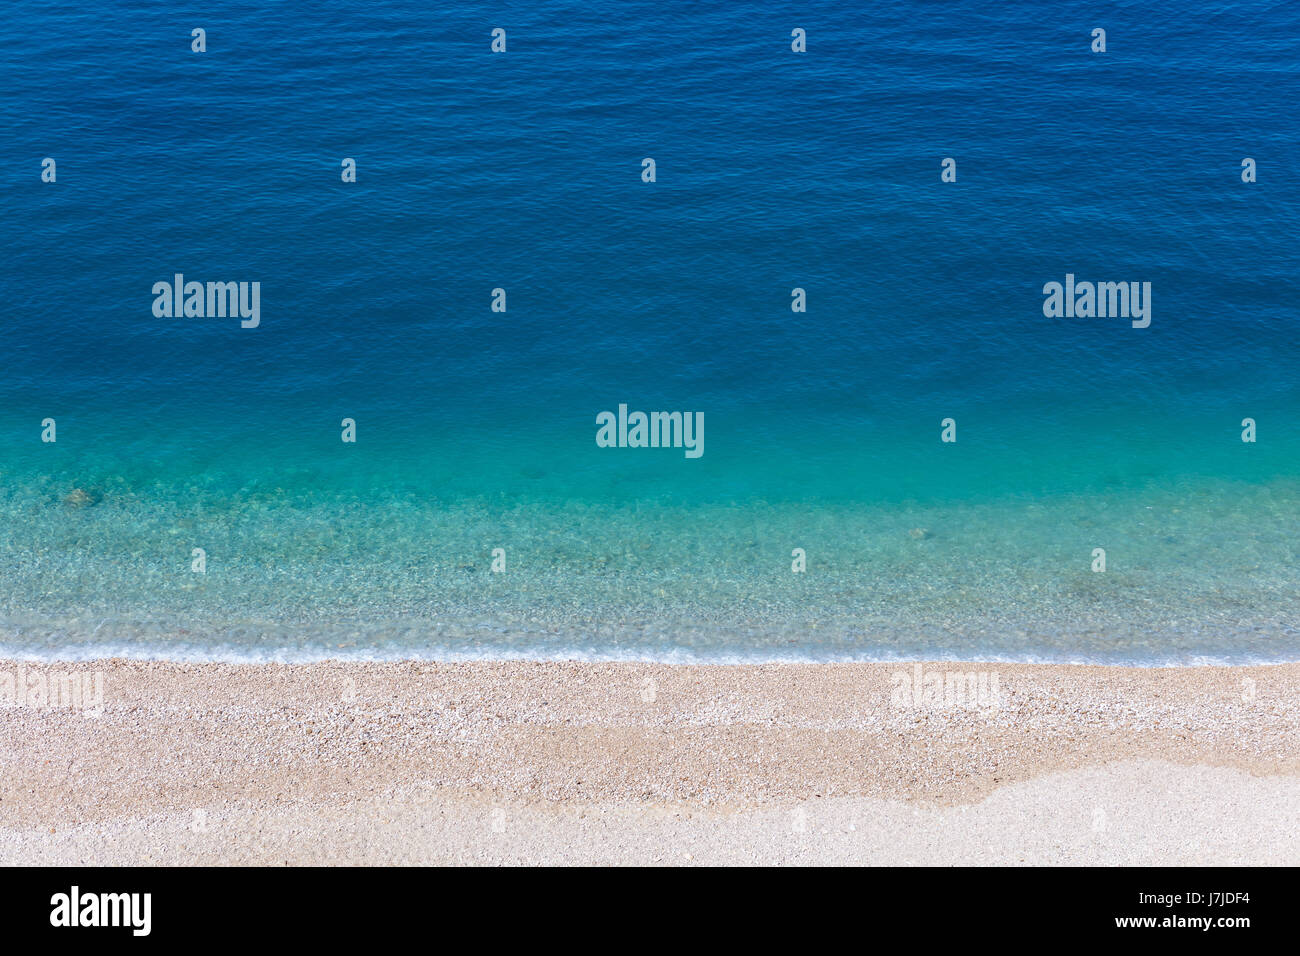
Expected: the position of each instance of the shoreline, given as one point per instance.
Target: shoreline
(12, 656)
(483, 762)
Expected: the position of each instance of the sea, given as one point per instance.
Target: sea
(838, 261)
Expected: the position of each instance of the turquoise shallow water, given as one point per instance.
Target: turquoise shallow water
(476, 429)
(314, 562)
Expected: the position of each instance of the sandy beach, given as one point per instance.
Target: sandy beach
(515, 762)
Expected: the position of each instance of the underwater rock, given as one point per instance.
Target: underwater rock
(82, 498)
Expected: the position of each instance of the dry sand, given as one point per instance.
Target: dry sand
(646, 763)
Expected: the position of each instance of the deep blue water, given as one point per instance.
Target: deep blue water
(476, 429)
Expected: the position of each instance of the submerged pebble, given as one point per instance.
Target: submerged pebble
(82, 498)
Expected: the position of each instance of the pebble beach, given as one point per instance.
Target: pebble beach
(629, 763)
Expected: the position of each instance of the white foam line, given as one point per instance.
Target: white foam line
(230, 655)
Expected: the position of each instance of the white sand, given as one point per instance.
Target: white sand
(637, 764)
